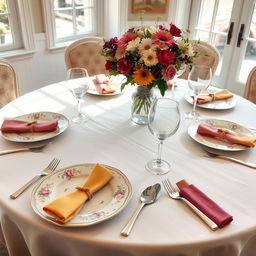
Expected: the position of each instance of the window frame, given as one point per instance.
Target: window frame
(49, 21)
(22, 29)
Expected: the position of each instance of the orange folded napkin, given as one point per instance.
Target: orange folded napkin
(204, 203)
(230, 136)
(103, 84)
(67, 207)
(24, 126)
(221, 95)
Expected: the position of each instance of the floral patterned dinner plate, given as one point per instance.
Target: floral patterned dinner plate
(105, 204)
(63, 123)
(217, 104)
(217, 143)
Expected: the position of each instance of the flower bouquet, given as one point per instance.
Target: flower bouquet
(148, 57)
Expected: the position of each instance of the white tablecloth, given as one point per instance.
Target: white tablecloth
(166, 228)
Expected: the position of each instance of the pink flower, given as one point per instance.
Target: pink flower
(175, 31)
(165, 57)
(45, 192)
(124, 66)
(127, 37)
(119, 195)
(169, 73)
(162, 38)
(69, 174)
(120, 53)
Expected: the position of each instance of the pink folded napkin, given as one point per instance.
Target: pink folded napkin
(220, 95)
(230, 136)
(103, 84)
(24, 126)
(204, 204)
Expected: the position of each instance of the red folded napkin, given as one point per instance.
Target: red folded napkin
(237, 138)
(204, 204)
(24, 126)
(103, 84)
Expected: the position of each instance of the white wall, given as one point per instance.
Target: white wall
(40, 68)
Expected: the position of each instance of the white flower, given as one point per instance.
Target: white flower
(133, 45)
(190, 50)
(146, 44)
(152, 29)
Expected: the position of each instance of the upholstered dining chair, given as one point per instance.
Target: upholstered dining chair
(250, 87)
(9, 88)
(85, 53)
(208, 55)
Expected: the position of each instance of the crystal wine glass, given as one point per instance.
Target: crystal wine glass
(199, 79)
(163, 122)
(78, 83)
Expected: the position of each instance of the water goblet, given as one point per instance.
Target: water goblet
(199, 79)
(78, 83)
(163, 122)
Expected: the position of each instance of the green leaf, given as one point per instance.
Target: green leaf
(129, 79)
(162, 85)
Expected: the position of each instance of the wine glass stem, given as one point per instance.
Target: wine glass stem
(159, 153)
(79, 107)
(194, 104)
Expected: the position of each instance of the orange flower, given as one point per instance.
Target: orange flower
(142, 76)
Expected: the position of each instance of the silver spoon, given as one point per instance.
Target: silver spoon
(33, 149)
(148, 196)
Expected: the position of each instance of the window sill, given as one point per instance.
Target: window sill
(17, 54)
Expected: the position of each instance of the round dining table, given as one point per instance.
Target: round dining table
(165, 228)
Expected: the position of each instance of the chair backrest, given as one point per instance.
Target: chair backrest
(9, 88)
(85, 53)
(250, 87)
(208, 55)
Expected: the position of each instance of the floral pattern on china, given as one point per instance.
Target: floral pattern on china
(106, 203)
(148, 57)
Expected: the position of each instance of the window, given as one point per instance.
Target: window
(69, 20)
(16, 31)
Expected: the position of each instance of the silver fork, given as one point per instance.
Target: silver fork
(174, 194)
(214, 155)
(33, 149)
(50, 168)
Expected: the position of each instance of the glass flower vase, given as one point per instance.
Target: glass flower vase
(142, 99)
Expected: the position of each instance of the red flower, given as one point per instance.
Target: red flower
(165, 57)
(175, 31)
(126, 38)
(108, 65)
(124, 66)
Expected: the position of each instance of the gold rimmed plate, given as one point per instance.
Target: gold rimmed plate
(215, 142)
(63, 123)
(105, 204)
